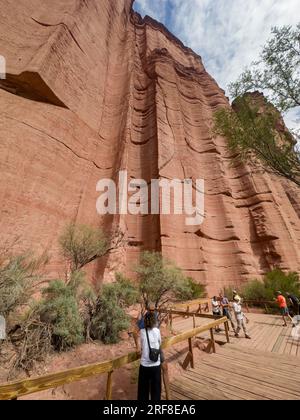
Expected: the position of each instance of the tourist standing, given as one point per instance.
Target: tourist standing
(240, 318)
(149, 385)
(226, 309)
(281, 300)
(216, 309)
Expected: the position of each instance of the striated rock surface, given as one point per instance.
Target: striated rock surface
(93, 89)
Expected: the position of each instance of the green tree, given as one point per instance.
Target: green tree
(251, 129)
(193, 291)
(276, 280)
(82, 244)
(277, 72)
(19, 278)
(160, 281)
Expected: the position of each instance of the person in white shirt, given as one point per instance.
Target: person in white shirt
(149, 384)
(216, 309)
(240, 318)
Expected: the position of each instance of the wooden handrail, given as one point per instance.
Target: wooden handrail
(188, 314)
(263, 302)
(20, 388)
(201, 301)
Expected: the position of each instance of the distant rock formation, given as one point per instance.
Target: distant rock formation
(91, 89)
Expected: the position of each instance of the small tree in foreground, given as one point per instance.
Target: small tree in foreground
(160, 281)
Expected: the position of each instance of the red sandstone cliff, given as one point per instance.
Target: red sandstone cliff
(92, 89)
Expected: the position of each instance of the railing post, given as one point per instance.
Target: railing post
(227, 331)
(194, 321)
(108, 395)
(171, 322)
(191, 351)
(213, 343)
(200, 309)
(165, 375)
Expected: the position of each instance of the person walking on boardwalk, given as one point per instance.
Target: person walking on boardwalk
(281, 300)
(149, 384)
(226, 309)
(240, 318)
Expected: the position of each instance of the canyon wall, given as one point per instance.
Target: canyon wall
(92, 89)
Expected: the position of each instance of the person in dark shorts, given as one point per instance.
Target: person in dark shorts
(281, 300)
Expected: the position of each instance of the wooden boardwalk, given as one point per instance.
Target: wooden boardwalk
(237, 373)
(264, 368)
(266, 331)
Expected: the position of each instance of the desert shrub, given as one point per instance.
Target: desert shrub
(256, 290)
(228, 290)
(160, 281)
(273, 281)
(59, 308)
(110, 317)
(193, 290)
(277, 280)
(82, 244)
(32, 341)
(19, 276)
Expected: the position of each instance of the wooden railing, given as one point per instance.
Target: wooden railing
(267, 305)
(170, 313)
(20, 388)
(202, 303)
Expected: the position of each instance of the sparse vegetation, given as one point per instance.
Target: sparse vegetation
(277, 70)
(255, 134)
(109, 317)
(59, 309)
(82, 244)
(67, 311)
(265, 290)
(19, 277)
(253, 138)
(160, 281)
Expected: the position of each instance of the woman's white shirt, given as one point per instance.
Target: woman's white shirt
(237, 308)
(155, 342)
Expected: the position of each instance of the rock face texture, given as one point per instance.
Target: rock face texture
(92, 89)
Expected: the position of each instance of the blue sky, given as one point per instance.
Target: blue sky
(227, 34)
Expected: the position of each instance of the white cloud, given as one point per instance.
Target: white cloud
(155, 9)
(228, 34)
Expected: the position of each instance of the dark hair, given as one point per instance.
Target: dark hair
(150, 320)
